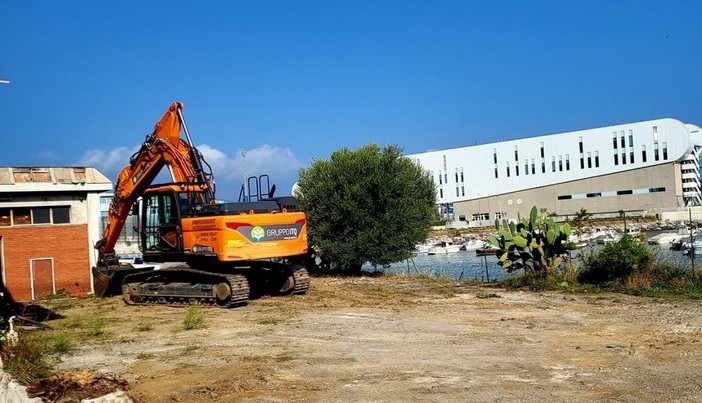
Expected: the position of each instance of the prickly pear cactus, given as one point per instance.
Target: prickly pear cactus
(536, 244)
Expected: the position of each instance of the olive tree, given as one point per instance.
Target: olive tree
(366, 205)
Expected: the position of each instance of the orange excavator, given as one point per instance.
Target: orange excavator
(228, 250)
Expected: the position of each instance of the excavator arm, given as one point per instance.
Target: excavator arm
(163, 147)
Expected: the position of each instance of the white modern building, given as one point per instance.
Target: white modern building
(641, 168)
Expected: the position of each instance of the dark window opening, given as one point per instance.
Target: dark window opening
(565, 197)
(516, 155)
(41, 216)
(516, 170)
(655, 154)
(597, 161)
(496, 174)
(623, 143)
(582, 163)
(581, 146)
(508, 172)
(589, 162)
(623, 158)
(643, 155)
(567, 165)
(656, 190)
(61, 215)
(614, 142)
(596, 194)
(542, 152)
(616, 159)
(624, 192)
(665, 153)
(560, 166)
(543, 167)
(533, 168)
(631, 157)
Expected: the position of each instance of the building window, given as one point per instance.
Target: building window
(526, 167)
(616, 159)
(496, 174)
(494, 155)
(533, 167)
(560, 163)
(614, 140)
(542, 149)
(462, 175)
(624, 192)
(5, 217)
(507, 169)
(597, 159)
(516, 169)
(21, 216)
(580, 143)
(516, 154)
(665, 150)
(34, 215)
(624, 158)
(582, 162)
(543, 166)
(463, 190)
(565, 197)
(567, 162)
(441, 193)
(61, 215)
(595, 194)
(655, 154)
(631, 157)
(643, 153)
(553, 163)
(589, 159)
(41, 215)
(456, 190)
(456, 174)
(655, 134)
(622, 139)
(656, 190)
(441, 182)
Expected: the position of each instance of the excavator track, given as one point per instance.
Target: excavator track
(185, 287)
(302, 281)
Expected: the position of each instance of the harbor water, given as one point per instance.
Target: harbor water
(466, 265)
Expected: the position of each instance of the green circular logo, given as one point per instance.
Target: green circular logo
(257, 233)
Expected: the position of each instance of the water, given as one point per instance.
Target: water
(465, 265)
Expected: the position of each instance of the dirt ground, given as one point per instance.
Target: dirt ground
(396, 339)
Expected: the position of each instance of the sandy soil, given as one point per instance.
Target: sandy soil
(398, 340)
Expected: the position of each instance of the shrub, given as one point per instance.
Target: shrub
(627, 259)
(536, 244)
(194, 318)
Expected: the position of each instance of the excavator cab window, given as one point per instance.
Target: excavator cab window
(161, 223)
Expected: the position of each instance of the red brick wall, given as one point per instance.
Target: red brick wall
(66, 244)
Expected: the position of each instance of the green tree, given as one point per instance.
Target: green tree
(368, 205)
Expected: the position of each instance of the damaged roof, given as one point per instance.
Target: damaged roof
(52, 179)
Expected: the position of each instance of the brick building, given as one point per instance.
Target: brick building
(49, 222)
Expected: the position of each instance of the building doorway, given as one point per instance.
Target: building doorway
(41, 273)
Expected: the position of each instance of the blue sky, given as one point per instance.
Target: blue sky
(288, 81)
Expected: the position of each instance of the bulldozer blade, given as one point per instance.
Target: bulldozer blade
(108, 281)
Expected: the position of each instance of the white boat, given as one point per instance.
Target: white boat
(473, 244)
(668, 238)
(444, 248)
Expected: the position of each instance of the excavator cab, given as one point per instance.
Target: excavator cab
(160, 221)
